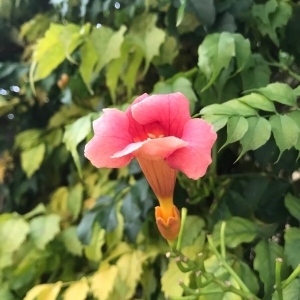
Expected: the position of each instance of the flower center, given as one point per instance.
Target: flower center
(154, 130)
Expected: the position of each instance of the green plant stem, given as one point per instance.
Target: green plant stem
(286, 282)
(183, 218)
(227, 266)
(222, 240)
(278, 278)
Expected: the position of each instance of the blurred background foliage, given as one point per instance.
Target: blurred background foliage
(71, 231)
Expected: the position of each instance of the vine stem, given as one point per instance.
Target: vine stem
(222, 240)
(295, 273)
(183, 219)
(229, 269)
(278, 278)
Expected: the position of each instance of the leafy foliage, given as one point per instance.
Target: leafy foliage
(71, 231)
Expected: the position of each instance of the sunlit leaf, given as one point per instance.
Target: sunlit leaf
(215, 53)
(279, 92)
(71, 241)
(258, 101)
(103, 281)
(31, 159)
(130, 266)
(78, 290)
(93, 250)
(217, 121)
(144, 34)
(43, 229)
(13, 232)
(170, 278)
(74, 134)
(44, 291)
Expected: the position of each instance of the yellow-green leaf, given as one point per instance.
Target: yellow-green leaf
(103, 281)
(13, 232)
(144, 34)
(43, 229)
(130, 266)
(169, 280)
(78, 290)
(44, 292)
(71, 241)
(31, 159)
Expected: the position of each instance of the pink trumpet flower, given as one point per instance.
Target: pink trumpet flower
(159, 132)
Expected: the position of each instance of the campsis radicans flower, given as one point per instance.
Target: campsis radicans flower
(159, 132)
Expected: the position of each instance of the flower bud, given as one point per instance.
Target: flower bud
(169, 228)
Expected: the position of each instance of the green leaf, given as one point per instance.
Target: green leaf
(74, 201)
(217, 121)
(168, 51)
(293, 205)
(71, 241)
(93, 250)
(215, 53)
(114, 69)
(27, 139)
(291, 292)
(242, 51)
(218, 109)
(285, 132)
(194, 225)
(13, 232)
(256, 74)
(169, 280)
(236, 128)
(264, 262)
(104, 281)
(74, 134)
(88, 61)
(292, 246)
(130, 267)
(295, 115)
(241, 108)
(58, 43)
(180, 12)
(259, 131)
(238, 230)
(146, 36)
(258, 101)
(103, 46)
(5, 292)
(43, 229)
(38, 210)
(129, 76)
(32, 159)
(279, 92)
(204, 11)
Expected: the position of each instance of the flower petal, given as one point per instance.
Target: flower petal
(171, 111)
(153, 148)
(194, 159)
(111, 136)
